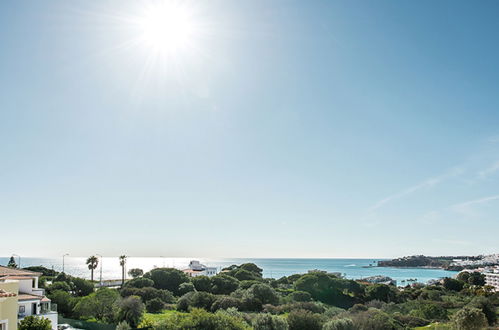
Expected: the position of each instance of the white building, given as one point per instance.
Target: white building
(31, 299)
(492, 277)
(198, 269)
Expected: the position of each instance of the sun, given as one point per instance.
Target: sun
(167, 27)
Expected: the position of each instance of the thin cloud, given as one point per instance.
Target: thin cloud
(423, 185)
(489, 170)
(470, 203)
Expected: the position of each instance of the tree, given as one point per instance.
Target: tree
(92, 263)
(139, 282)
(470, 318)
(148, 293)
(430, 311)
(82, 287)
(300, 296)
(12, 263)
(135, 272)
(301, 319)
(269, 322)
(155, 305)
(265, 293)
(476, 278)
(487, 308)
(186, 287)
(223, 284)
(452, 284)
(101, 305)
(381, 292)
(339, 324)
(123, 264)
(167, 278)
(63, 300)
(202, 283)
(131, 310)
(35, 323)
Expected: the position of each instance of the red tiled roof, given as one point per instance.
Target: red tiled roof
(25, 296)
(5, 294)
(7, 271)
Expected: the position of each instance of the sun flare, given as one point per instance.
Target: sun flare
(168, 27)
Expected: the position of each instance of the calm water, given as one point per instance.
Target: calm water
(351, 268)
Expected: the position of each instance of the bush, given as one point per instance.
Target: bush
(269, 322)
(469, 318)
(63, 300)
(34, 323)
(123, 326)
(201, 319)
(202, 300)
(149, 293)
(140, 282)
(302, 319)
(225, 302)
(186, 287)
(167, 278)
(307, 306)
(135, 272)
(339, 324)
(430, 311)
(300, 296)
(82, 287)
(58, 286)
(131, 310)
(155, 305)
(202, 283)
(263, 292)
(487, 308)
(452, 284)
(373, 319)
(223, 284)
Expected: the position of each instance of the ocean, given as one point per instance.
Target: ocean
(272, 267)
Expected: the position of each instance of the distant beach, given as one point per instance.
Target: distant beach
(272, 267)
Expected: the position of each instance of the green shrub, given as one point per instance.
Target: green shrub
(469, 318)
(131, 310)
(339, 324)
(155, 305)
(34, 323)
(269, 322)
(302, 319)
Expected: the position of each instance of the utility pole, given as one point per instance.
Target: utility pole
(100, 277)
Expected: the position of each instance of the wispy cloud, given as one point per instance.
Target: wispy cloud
(466, 207)
(493, 168)
(428, 183)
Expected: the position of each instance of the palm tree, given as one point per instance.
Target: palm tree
(92, 263)
(122, 264)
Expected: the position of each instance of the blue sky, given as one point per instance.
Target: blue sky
(283, 129)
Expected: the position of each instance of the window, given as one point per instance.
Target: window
(22, 309)
(4, 325)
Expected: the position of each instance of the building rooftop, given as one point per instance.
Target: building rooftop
(7, 271)
(24, 296)
(5, 294)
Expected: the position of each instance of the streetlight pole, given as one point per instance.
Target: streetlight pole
(19, 260)
(100, 278)
(67, 254)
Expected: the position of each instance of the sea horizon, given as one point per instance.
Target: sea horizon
(351, 268)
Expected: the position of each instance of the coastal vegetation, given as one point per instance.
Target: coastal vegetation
(444, 262)
(241, 298)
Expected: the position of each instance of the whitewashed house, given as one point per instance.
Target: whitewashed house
(198, 269)
(31, 298)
